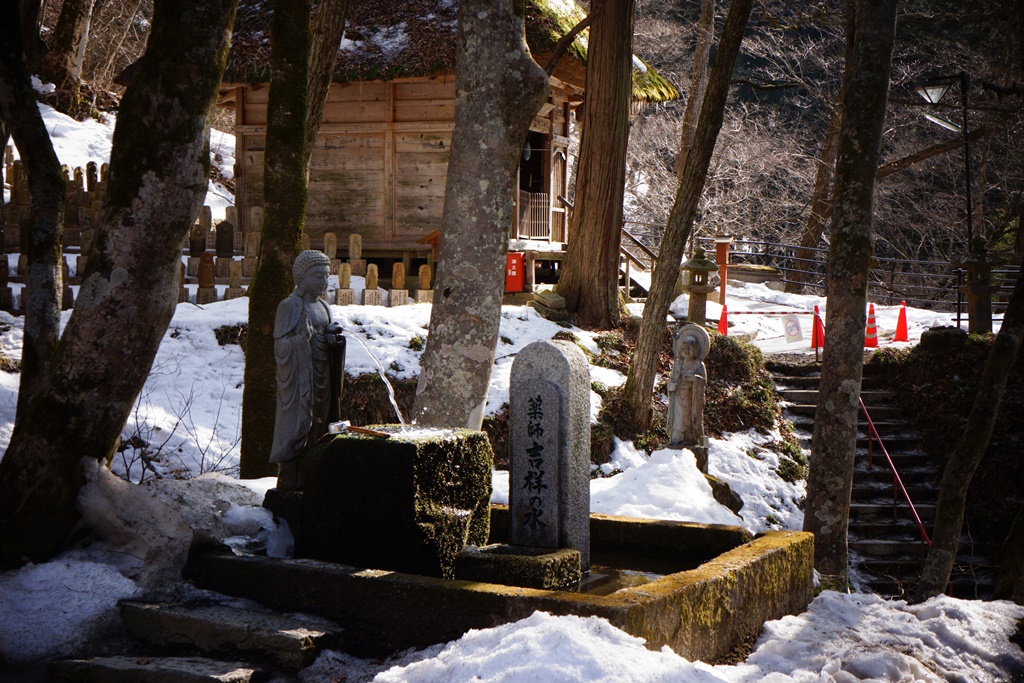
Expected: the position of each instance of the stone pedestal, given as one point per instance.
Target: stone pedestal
(206, 295)
(424, 296)
(344, 297)
(233, 293)
(183, 297)
(249, 266)
(398, 297)
(403, 503)
(223, 266)
(191, 267)
(373, 297)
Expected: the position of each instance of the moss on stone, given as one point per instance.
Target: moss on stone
(408, 503)
(520, 566)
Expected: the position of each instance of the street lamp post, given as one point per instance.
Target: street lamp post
(932, 91)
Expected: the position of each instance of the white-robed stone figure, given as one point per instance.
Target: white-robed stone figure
(686, 386)
(303, 367)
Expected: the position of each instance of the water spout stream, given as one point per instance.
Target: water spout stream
(380, 371)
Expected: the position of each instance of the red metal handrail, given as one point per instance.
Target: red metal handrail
(897, 481)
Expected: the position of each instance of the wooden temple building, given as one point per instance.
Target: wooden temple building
(380, 160)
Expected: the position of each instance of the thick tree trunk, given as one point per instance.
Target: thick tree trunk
(304, 47)
(959, 470)
(698, 81)
(499, 89)
(62, 63)
(41, 295)
(834, 441)
(284, 211)
(159, 169)
(644, 365)
(590, 275)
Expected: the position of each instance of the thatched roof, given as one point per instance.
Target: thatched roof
(385, 40)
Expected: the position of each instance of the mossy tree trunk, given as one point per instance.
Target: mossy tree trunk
(590, 275)
(304, 46)
(498, 90)
(159, 169)
(833, 443)
(959, 470)
(644, 365)
(62, 63)
(41, 296)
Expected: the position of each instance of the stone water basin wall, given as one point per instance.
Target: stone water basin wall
(734, 585)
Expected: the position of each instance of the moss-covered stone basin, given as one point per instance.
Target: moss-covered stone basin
(727, 585)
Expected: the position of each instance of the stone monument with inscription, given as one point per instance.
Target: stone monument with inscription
(355, 254)
(345, 295)
(398, 295)
(371, 295)
(549, 459)
(234, 290)
(207, 292)
(424, 293)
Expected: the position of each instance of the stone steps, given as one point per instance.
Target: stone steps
(178, 640)
(886, 551)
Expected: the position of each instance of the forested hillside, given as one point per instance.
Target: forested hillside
(785, 85)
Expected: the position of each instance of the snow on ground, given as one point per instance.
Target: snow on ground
(189, 411)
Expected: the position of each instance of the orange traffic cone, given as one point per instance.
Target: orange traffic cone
(871, 334)
(817, 331)
(723, 322)
(901, 325)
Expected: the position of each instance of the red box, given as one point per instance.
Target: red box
(515, 277)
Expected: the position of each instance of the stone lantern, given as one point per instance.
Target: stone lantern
(699, 267)
(979, 287)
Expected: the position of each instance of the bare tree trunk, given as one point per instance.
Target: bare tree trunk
(304, 47)
(159, 169)
(590, 275)
(698, 81)
(41, 295)
(499, 89)
(833, 444)
(644, 365)
(959, 470)
(821, 195)
(63, 61)
(821, 203)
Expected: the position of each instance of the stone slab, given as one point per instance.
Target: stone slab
(511, 565)
(154, 670)
(290, 642)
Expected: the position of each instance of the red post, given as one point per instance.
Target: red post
(722, 243)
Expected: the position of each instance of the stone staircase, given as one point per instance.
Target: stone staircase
(199, 643)
(885, 542)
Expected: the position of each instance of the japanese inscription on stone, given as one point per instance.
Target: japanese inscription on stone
(534, 489)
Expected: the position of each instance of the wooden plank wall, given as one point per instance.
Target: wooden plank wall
(379, 164)
(380, 160)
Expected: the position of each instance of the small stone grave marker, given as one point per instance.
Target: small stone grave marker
(371, 295)
(225, 239)
(355, 254)
(424, 294)
(345, 295)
